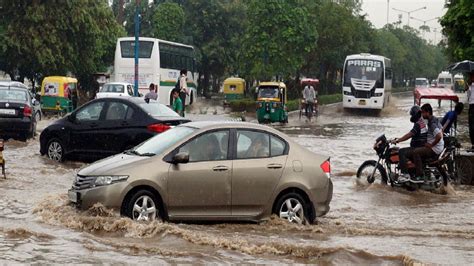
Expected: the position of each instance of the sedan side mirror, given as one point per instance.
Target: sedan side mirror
(71, 117)
(182, 157)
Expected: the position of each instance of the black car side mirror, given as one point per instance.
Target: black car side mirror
(182, 157)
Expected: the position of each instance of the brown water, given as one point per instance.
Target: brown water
(367, 224)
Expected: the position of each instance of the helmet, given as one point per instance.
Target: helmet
(414, 110)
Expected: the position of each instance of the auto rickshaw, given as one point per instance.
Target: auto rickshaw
(57, 94)
(271, 102)
(302, 105)
(233, 90)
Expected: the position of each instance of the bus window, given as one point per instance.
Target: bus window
(128, 49)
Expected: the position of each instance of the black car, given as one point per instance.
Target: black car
(106, 126)
(16, 111)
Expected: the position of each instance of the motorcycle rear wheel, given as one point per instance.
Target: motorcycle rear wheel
(367, 168)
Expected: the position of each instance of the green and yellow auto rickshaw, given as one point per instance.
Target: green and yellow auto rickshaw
(271, 102)
(57, 93)
(233, 89)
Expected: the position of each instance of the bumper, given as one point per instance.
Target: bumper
(110, 196)
(324, 197)
(371, 103)
(15, 126)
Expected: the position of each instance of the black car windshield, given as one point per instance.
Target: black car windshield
(118, 88)
(268, 92)
(157, 109)
(13, 95)
(161, 142)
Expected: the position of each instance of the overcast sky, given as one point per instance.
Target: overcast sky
(377, 13)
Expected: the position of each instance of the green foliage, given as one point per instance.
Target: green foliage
(168, 22)
(277, 38)
(44, 38)
(458, 27)
(246, 104)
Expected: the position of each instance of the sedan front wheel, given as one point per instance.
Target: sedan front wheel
(143, 206)
(55, 150)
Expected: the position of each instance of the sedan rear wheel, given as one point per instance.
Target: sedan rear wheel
(293, 208)
(143, 206)
(55, 150)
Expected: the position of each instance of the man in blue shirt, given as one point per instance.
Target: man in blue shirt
(451, 118)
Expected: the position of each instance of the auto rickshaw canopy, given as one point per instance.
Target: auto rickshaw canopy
(271, 91)
(56, 85)
(234, 86)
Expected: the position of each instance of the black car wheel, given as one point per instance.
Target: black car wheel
(55, 150)
(143, 206)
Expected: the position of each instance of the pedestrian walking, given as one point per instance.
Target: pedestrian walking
(470, 98)
(183, 87)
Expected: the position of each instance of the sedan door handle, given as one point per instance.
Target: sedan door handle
(274, 166)
(124, 123)
(93, 125)
(220, 168)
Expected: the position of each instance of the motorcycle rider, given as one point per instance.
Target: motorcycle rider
(418, 135)
(434, 145)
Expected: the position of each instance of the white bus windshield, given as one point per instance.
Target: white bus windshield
(364, 69)
(128, 49)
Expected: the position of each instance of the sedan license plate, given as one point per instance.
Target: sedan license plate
(7, 111)
(362, 102)
(72, 196)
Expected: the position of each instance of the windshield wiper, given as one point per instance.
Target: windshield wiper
(149, 154)
(132, 152)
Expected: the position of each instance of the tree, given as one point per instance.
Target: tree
(277, 39)
(458, 27)
(44, 38)
(168, 22)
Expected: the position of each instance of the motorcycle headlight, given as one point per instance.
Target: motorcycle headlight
(109, 179)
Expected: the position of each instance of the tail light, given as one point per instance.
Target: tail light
(27, 111)
(158, 128)
(326, 167)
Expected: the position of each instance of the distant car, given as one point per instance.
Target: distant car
(106, 126)
(115, 89)
(210, 171)
(17, 118)
(422, 82)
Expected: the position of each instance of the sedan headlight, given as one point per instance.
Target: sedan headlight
(109, 179)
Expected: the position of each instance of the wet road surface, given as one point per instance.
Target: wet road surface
(373, 224)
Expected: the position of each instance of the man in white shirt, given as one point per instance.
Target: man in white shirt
(470, 98)
(183, 87)
(309, 95)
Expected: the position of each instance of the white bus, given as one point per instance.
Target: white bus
(366, 81)
(159, 62)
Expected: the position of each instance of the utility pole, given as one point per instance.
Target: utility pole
(388, 9)
(409, 12)
(137, 44)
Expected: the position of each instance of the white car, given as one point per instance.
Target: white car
(114, 89)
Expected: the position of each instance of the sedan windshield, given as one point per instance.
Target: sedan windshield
(161, 142)
(157, 109)
(13, 95)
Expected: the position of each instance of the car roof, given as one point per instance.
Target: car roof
(10, 83)
(229, 124)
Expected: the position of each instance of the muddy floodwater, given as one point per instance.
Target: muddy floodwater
(367, 224)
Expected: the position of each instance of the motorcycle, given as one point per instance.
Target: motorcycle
(387, 169)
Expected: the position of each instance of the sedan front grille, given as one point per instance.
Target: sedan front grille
(83, 182)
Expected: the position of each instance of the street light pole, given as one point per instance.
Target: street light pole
(388, 9)
(409, 12)
(137, 44)
(424, 22)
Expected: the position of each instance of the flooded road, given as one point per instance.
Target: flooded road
(373, 224)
